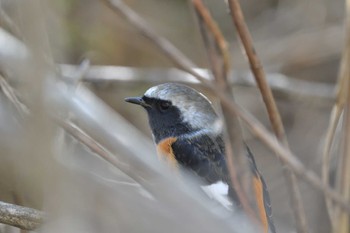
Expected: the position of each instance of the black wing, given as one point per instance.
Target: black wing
(203, 155)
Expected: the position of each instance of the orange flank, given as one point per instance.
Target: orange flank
(165, 150)
(259, 195)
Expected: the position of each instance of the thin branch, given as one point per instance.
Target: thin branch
(272, 110)
(21, 217)
(11, 95)
(254, 126)
(257, 69)
(342, 224)
(216, 47)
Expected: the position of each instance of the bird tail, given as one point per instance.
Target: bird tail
(261, 194)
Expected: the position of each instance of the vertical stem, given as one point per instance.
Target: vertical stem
(343, 225)
(270, 104)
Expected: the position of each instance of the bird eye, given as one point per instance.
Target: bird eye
(163, 106)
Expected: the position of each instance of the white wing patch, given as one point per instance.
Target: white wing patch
(218, 191)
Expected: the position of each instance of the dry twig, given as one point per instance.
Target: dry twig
(21, 217)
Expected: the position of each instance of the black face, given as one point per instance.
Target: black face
(164, 118)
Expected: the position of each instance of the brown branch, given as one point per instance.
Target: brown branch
(254, 126)
(216, 47)
(257, 70)
(272, 110)
(21, 217)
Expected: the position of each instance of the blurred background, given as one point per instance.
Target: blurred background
(299, 43)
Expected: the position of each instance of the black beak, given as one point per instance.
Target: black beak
(137, 100)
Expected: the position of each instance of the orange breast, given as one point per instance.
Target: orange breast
(165, 151)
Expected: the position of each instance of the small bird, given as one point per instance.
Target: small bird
(188, 133)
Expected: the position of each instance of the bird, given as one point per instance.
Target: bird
(188, 133)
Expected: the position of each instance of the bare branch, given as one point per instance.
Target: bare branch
(21, 217)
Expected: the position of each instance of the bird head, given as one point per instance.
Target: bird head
(175, 110)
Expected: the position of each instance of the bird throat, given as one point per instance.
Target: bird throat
(161, 132)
